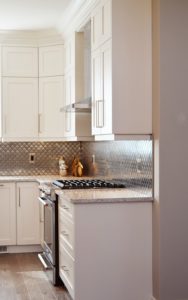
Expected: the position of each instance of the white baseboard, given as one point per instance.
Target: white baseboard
(23, 249)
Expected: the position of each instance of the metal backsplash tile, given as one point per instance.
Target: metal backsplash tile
(14, 157)
(130, 160)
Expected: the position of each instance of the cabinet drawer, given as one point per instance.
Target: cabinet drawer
(66, 206)
(66, 268)
(66, 232)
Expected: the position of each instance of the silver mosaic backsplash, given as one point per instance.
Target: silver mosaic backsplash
(127, 160)
(130, 160)
(14, 157)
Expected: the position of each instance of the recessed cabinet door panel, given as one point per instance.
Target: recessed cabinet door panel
(107, 88)
(20, 61)
(51, 119)
(7, 214)
(96, 28)
(97, 97)
(20, 103)
(106, 20)
(101, 21)
(51, 61)
(28, 215)
(69, 116)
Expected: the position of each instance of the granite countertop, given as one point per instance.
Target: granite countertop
(37, 178)
(88, 195)
(106, 195)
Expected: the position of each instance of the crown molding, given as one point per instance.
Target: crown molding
(76, 16)
(33, 38)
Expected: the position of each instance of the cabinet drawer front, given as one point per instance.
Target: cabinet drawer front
(66, 206)
(66, 232)
(66, 267)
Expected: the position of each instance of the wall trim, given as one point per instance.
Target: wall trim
(76, 16)
(31, 38)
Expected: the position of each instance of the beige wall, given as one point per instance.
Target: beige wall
(170, 264)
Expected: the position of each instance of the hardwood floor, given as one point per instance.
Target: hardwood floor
(22, 278)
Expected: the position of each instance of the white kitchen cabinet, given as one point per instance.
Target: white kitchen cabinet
(69, 54)
(101, 23)
(7, 214)
(121, 76)
(51, 61)
(69, 118)
(117, 247)
(51, 100)
(77, 125)
(20, 109)
(20, 61)
(28, 216)
(102, 90)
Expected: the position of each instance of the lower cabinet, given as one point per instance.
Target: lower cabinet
(28, 217)
(105, 250)
(19, 214)
(7, 214)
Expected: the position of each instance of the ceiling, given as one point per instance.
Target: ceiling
(31, 14)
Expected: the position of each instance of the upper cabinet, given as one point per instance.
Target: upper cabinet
(77, 121)
(51, 61)
(20, 61)
(51, 100)
(121, 69)
(51, 93)
(32, 93)
(101, 24)
(102, 90)
(20, 109)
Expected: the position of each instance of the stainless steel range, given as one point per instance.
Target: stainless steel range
(49, 201)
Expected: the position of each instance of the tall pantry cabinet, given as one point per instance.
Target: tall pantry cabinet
(121, 68)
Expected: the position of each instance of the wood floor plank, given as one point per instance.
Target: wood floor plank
(23, 278)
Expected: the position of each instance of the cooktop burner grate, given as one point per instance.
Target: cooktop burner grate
(84, 184)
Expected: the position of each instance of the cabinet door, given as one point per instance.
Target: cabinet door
(28, 215)
(20, 104)
(20, 61)
(102, 90)
(51, 61)
(96, 27)
(7, 214)
(51, 120)
(101, 24)
(69, 116)
(106, 20)
(97, 97)
(69, 54)
(105, 110)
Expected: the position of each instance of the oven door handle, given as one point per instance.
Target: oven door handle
(43, 201)
(44, 262)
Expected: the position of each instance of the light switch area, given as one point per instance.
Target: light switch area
(32, 158)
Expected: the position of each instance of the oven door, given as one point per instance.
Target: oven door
(49, 229)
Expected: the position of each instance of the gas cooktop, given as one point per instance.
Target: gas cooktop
(87, 184)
